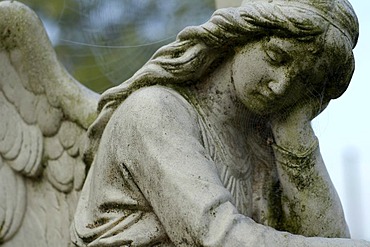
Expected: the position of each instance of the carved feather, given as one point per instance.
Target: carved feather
(44, 114)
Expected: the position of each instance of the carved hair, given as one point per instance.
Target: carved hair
(196, 48)
(189, 57)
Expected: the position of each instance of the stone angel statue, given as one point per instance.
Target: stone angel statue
(44, 115)
(208, 144)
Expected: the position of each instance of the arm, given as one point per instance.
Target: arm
(310, 203)
(162, 149)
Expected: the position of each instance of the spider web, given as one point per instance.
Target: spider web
(103, 43)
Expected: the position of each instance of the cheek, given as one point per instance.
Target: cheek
(245, 92)
(246, 78)
(242, 87)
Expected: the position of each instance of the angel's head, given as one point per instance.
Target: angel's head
(306, 53)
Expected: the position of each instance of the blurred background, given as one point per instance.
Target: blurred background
(102, 43)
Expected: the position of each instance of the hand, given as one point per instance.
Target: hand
(292, 126)
(303, 111)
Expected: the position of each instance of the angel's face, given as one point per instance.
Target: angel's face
(275, 73)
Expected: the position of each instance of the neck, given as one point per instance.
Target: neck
(216, 96)
(217, 99)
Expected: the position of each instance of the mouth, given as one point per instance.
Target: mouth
(266, 97)
(265, 103)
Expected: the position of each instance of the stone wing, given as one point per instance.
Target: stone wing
(44, 114)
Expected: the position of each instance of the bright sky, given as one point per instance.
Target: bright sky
(343, 130)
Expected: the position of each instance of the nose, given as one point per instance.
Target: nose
(280, 85)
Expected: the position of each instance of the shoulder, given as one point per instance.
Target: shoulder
(157, 99)
(157, 95)
(156, 106)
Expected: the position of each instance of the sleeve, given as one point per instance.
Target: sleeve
(163, 152)
(311, 204)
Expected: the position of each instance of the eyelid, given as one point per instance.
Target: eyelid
(276, 55)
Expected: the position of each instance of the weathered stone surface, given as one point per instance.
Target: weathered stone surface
(41, 107)
(208, 144)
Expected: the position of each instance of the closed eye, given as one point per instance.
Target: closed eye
(276, 56)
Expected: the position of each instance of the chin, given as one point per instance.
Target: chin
(257, 107)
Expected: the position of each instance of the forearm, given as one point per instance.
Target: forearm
(310, 203)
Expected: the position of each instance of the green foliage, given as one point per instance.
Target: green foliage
(102, 43)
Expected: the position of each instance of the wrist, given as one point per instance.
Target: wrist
(298, 165)
(297, 154)
(296, 136)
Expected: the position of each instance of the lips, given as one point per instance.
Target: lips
(266, 96)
